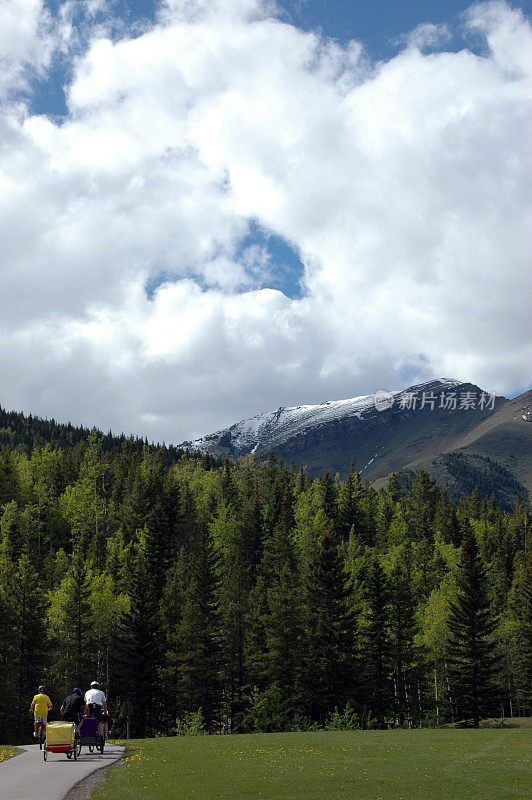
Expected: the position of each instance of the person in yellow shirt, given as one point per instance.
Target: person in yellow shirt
(40, 706)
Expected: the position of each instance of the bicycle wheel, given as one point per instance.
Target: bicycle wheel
(91, 748)
(45, 754)
(69, 755)
(41, 737)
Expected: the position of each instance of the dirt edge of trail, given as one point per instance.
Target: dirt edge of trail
(85, 787)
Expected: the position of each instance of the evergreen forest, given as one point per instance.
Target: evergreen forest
(248, 597)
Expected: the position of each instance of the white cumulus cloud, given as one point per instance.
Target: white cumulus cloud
(403, 185)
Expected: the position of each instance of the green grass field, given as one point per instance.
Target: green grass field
(7, 751)
(353, 765)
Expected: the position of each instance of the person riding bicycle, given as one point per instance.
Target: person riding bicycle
(73, 707)
(40, 706)
(106, 719)
(96, 703)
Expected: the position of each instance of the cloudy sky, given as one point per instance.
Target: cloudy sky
(211, 208)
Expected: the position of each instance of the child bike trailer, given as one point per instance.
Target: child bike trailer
(60, 738)
(89, 736)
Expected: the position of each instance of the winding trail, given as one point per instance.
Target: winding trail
(28, 777)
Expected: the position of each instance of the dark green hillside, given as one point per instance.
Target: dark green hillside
(26, 432)
(251, 596)
(462, 471)
(511, 444)
(495, 455)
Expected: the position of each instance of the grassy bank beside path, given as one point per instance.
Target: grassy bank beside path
(352, 765)
(7, 751)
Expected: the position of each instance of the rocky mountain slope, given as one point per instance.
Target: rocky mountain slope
(403, 430)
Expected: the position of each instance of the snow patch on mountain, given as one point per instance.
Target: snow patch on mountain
(271, 428)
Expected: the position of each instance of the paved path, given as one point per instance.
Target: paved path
(28, 777)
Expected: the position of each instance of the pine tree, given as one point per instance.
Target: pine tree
(374, 649)
(471, 656)
(394, 487)
(273, 632)
(28, 637)
(406, 656)
(347, 514)
(445, 520)
(524, 686)
(137, 656)
(191, 622)
(328, 496)
(8, 676)
(328, 651)
(235, 569)
(421, 504)
(70, 620)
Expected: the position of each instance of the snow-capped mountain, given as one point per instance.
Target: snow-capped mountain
(422, 425)
(272, 429)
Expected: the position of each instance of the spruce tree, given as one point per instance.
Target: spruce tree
(516, 631)
(421, 504)
(406, 656)
(328, 496)
(137, 656)
(8, 676)
(525, 671)
(470, 655)
(348, 514)
(273, 632)
(191, 622)
(70, 619)
(445, 520)
(374, 646)
(394, 487)
(328, 652)
(29, 655)
(236, 542)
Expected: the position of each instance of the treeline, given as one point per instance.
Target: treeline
(476, 471)
(267, 600)
(25, 432)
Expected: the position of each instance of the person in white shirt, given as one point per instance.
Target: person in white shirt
(96, 703)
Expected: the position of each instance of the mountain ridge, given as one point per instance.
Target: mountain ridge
(381, 433)
(248, 433)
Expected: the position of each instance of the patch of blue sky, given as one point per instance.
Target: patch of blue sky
(47, 92)
(268, 262)
(381, 25)
(284, 267)
(154, 281)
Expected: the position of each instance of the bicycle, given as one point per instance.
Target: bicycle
(41, 732)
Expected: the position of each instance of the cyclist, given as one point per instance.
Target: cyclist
(96, 703)
(73, 707)
(106, 719)
(40, 706)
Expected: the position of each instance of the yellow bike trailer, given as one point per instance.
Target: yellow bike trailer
(60, 738)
